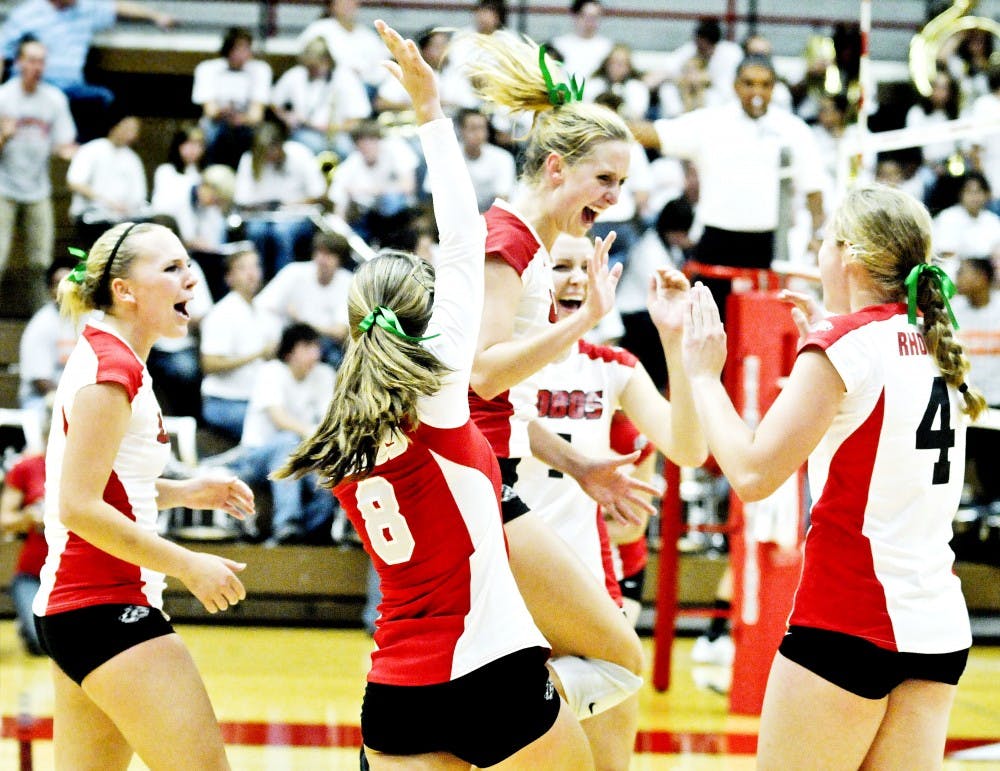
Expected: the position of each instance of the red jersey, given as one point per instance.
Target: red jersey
(28, 476)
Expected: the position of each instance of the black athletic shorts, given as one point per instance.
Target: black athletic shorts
(481, 718)
(511, 505)
(79, 641)
(863, 668)
(632, 586)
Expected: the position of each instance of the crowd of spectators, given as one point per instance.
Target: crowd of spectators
(247, 186)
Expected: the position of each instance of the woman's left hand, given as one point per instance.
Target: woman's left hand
(412, 72)
(704, 348)
(227, 494)
(666, 300)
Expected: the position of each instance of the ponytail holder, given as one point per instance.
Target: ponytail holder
(385, 318)
(561, 93)
(945, 286)
(79, 273)
(963, 388)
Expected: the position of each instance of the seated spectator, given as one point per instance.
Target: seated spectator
(618, 75)
(985, 152)
(977, 308)
(66, 28)
(584, 48)
(277, 184)
(35, 123)
(46, 343)
(967, 229)
(236, 339)
(374, 188)
(941, 106)
(354, 45)
(22, 506)
(108, 181)
(718, 58)
(173, 180)
(314, 293)
(232, 91)
(491, 167)
(201, 212)
(290, 396)
(456, 91)
(320, 102)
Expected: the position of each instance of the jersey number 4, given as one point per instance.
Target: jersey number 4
(941, 438)
(387, 530)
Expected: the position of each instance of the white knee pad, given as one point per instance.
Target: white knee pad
(592, 686)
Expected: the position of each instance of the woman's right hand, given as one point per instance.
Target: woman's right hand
(213, 581)
(807, 311)
(413, 72)
(704, 349)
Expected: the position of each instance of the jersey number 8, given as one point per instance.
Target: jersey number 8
(387, 530)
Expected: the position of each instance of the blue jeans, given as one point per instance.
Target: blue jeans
(276, 240)
(225, 415)
(299, 504)
(23, 588)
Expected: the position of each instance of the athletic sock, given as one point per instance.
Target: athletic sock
(720, 623)
(592, 686)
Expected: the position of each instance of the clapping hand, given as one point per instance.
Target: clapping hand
(666, 300)
(807, 312)
(601, 280)
(704, 348)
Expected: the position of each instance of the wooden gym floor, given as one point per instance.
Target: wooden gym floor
(289, 700)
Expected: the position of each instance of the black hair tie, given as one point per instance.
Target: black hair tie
(102, 294)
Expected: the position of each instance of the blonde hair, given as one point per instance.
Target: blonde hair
(94, 292)
(381, 376)
(504, 71)
(889, 233)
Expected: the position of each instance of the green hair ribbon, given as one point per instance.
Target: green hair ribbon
(385, 318)
(559, 93)
(945, 285)
(79, 273)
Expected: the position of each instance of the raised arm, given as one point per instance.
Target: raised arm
(459, 283)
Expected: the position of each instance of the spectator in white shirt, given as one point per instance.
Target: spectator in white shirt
(320, 101)
(977, 308)
(108, 181)
(288, 401)
(199, 210)
(354, 45)
(236, 339)
(718, 58)
(232, 91)
(374, 189)
(493, 169)
(278, 183)
(618, 75)
(173, 180)
(967, 229)
(314, 293)
(986, 149)
(583, 49)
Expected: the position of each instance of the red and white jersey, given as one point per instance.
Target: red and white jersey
(510, 238)
(77, 574)
(886, 480)
(429, 514)
(575, 398)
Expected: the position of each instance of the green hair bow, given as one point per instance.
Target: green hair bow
(559, 93)
(385, 318)
(945, 285)
(79, 273)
